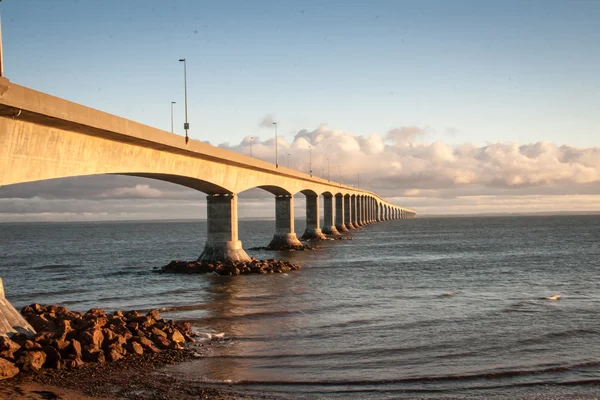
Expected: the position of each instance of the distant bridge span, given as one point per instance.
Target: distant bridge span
(45, 137)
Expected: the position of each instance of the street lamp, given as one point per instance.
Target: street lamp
(251, 140)
(310, 159)
(172, 115)
(276, 158)
(328, 180)
(186, 125)
(288, 154)
(340, 171)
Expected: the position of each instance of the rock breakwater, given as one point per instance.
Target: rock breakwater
(68, 339)
(230, 268)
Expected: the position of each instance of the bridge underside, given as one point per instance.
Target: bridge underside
(44, 137)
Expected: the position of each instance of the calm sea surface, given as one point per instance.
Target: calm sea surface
(422, 308)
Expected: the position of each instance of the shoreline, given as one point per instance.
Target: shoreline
(135, 377)
(95, 355)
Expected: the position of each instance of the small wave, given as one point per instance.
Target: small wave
(433, 379)
(205, 337)
(53, 267)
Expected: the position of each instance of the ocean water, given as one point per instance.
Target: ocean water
(421, 308)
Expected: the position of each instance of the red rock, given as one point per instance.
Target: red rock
(154, 314)
(30, 345)
(175, 346)
(95, 312)
(113, 355)
(162, 342)
(92, 337)
(8, 345)
(188, 338)
(53, 356)
(132, 326)
(134, 348)
(123, 331)
(76, 348)
(94, 355)
(158, 333)
(41, 323)
(43, 338)
(176, 336)
(73, 363)
(145, 322)
(64, 330)
(60, 345)
(31, 361)
(131, 314)
(108, 335)
(7, 369)
(184, 327)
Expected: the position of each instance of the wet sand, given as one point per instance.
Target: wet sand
(135, 377)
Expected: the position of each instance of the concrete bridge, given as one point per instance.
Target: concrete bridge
(45, 137)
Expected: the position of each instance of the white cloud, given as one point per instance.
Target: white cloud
(137, 191)
(429, 177)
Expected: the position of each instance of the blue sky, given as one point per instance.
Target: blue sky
(522, 71)
(441, 106)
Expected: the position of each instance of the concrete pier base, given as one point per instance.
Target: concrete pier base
(313, 230)
(285, 237)
(313, 234)
(282, 241)
(328, 223)
(11, 321)
(222, 242)
(224, 251)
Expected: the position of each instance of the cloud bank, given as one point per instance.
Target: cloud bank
(431, 177)
(400, 164)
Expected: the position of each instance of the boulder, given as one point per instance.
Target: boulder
(162, 342)
(134, 348)
(93, 355)
(8, 348)
(158, 333)
(176, 336)
(31, 361)
(92, 337)
(30, 345)
(40, 323)
(7, 369)
(53, 356)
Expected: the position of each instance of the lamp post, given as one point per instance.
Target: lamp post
(172, 115)
(186, 124)
(288, 154)
(276, 157)
(251, 140)
(328, 180)
(340, 171)
(310, 160)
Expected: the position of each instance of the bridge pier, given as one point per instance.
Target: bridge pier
(348, 212)
(222, 242)
(339, 214)
(354, 213)
(328, 223)
(285, 237)
(312, 231)
(11, 321)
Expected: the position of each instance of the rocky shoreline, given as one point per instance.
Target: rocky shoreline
(231, 268)
(67, 339)
(100, 355)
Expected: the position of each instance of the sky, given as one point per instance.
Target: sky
(445, 107)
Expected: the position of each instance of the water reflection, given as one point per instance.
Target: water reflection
(254, 313)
